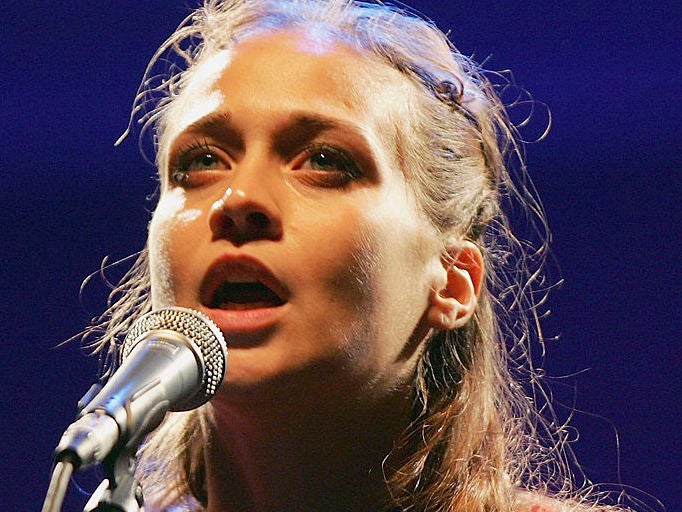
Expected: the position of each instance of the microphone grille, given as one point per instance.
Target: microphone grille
(199, 330)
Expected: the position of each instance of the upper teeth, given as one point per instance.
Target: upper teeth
(239, 278)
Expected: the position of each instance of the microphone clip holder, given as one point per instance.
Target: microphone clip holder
(119, 491)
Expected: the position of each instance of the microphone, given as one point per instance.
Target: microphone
(172, 359)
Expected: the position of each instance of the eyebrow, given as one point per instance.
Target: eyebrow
(217, 125)
(292, 134)
(301, 127)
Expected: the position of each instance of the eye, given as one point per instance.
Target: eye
(329, 160)
(202, 162)
(193, 159)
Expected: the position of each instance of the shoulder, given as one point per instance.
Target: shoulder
(527, 501)
(535, 502)
(540, 507)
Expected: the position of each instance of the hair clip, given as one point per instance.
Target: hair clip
(449, 92)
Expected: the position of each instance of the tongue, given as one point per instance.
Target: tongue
(245, 296)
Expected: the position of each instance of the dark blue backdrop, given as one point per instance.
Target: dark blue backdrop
(608, 174)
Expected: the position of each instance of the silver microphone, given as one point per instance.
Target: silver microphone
(172, 359)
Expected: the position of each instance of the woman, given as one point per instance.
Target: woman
(332, 175)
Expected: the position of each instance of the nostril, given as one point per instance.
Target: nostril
(258, 220)
(224, 221)
(242, 219)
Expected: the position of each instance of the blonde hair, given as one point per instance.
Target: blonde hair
(476, 438)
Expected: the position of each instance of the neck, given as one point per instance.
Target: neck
(303, 454)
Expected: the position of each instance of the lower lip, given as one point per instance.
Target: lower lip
(234, 322)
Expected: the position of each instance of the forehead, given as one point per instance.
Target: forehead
(312, 65)
(289, 69)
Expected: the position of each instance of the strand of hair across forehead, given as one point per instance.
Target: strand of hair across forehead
(159, 94)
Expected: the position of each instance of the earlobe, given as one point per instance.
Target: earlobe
(455, 302)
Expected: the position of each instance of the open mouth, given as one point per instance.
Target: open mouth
(244, 295)
(241, 284)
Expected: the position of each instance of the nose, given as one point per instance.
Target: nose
(245, 213)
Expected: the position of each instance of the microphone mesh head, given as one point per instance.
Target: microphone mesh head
(200, 331)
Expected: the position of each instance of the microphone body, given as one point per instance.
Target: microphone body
(172, 359)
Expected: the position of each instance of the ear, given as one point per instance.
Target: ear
(454, 304)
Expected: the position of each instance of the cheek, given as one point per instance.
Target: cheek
(400, 260)
(378, 261)
(165, 229)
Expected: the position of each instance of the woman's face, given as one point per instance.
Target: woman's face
(285, 217)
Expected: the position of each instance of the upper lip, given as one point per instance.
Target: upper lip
(239, 268)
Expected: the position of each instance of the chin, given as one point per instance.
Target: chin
(264, 373)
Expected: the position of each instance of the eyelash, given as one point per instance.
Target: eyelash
(337, 157)
(337, 161)
(187, 156)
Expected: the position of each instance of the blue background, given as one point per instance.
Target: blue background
(608, 174)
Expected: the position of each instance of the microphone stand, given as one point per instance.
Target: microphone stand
(177, 359)
(119, 491)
